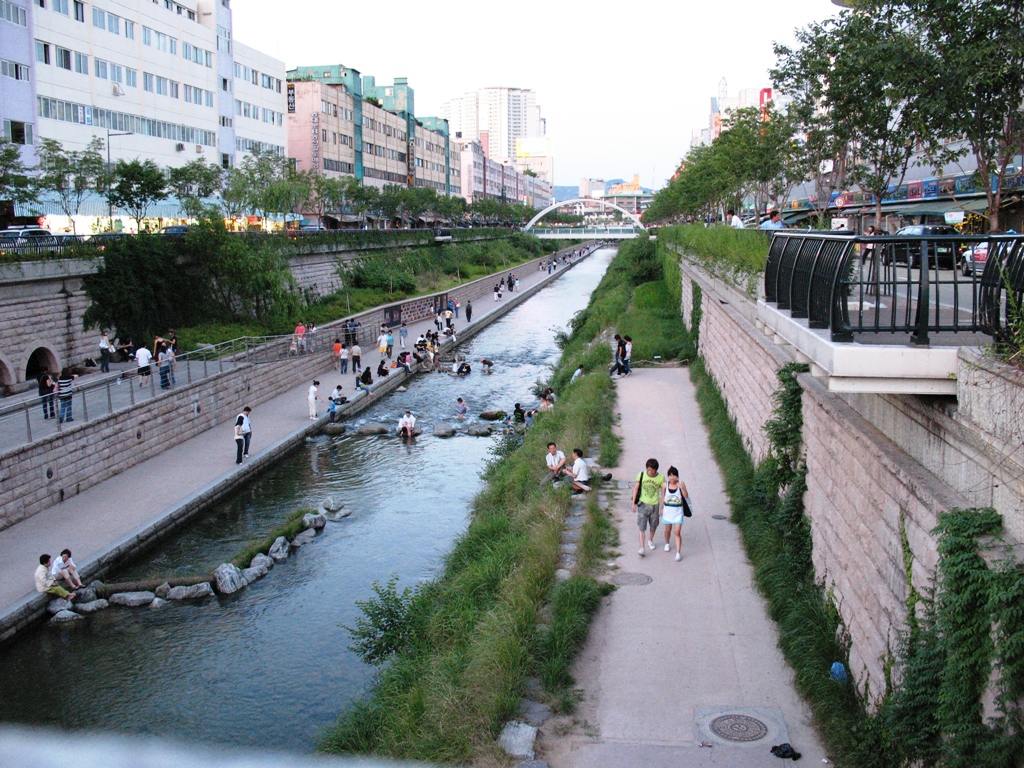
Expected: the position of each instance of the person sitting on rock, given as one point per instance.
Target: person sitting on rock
(64, 568)
(407, 425)
(45, 583)
(579, 473)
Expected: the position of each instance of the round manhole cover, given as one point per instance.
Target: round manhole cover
(738, 728)
(631, 579)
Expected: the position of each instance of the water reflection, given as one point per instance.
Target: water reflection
(270, 666)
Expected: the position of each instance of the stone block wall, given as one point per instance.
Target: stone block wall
(743, 362)
(860, 485)
(48, 471)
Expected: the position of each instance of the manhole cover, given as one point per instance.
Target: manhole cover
(719, 517)
(631, 579)
(738, 728)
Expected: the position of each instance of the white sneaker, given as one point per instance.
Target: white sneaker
(667, 548)
(678, 557)
(641, 552)
(650, 544)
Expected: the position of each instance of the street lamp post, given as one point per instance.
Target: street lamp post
(110, 205)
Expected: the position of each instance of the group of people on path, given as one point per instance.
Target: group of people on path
(303, 339)
(657, 499)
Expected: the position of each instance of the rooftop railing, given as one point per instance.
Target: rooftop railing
(920, 285)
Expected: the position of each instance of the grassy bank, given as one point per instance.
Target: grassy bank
(737, 256)
(455, 653)
(384, 277)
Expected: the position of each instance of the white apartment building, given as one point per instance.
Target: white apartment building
(496, 117)
(166, 73)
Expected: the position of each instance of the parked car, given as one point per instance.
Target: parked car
(974, 259)
(178, 230)
(944, 252)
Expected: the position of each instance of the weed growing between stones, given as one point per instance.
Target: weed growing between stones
(289, 529)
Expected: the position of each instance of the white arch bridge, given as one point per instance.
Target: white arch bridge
(578, 233)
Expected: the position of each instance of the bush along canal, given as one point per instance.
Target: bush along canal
(270, 665)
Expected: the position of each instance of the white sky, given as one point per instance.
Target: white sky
(621, 85)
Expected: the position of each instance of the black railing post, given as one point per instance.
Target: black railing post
(920, 335)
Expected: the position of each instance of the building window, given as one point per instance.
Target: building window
(79, 11)
(226, 122)
(61, 6)
(147, 36)
(116, 73)
(17, 132)
(324, 137)
(99, 18)
(129, 29)
(174, 89)
(100, 67)
(225, 161)
(13, 13)
(14, 70)
(147, 82)
(173, 46)
(208, 95)
(62, 58)
(223, 40)
(225, 84)
(114, 24)
(161, 86)
(41, 3)
(131, 77)
(209, 58)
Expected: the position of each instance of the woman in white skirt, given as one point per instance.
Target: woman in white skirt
(672, 511)
(312, 396)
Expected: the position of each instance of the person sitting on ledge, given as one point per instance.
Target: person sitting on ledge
(64, 568)
(579, 473)
(365, 381)
(382, 369)
(46, 583)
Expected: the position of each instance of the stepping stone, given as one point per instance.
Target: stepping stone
(534, 713)
(575, 522)
(562, 575)
(517, 739)
(571, 536)
(567, 561)
(568, 549)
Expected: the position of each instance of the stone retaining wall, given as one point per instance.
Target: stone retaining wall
(742, 361)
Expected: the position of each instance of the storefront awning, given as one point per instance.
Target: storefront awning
(934, 207)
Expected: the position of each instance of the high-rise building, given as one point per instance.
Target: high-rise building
(496, 117)
(167, 74)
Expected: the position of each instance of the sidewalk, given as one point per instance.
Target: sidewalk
(92, 522)
(665, 659)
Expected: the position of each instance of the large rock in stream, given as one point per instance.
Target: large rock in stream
(228, 579)
(92, 606)
(493, 415)
(57, 605)
(443, 430)
(280, 549)
(190, 593)
(303, 538)
(478, 430)
(262, 561)
(314, 520)
(373, 428)
(64, 617)
(132, 599)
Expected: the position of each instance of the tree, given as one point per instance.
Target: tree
(416, 201)
(192, 182)
(975, 83)
(867, 71)
(71, 176)
(234, 197)
(362, 197)
(15, 184)
(327, 195)
(259, 172)
(136, 185)
(391, 203)
(290, 193)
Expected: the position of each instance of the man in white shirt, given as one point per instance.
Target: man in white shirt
(735, 221)
(580, 472)
(143, 357)
(555, 460)
(46, 583)
(576, 374)
(406, 425)
(243, 430)
(64, 568)
(106, 351)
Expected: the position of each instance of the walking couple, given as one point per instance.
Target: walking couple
(623, 354)
(654, 500)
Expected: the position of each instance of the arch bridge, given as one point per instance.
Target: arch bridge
(576, 233)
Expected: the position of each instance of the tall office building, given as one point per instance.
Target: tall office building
(166, 73)
(496, 117)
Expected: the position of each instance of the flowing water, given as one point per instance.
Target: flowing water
(269, 666)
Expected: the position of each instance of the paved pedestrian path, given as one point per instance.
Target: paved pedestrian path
(666, 659)
(91, 522)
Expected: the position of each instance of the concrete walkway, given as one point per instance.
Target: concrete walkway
(665, 659)
(94, 521)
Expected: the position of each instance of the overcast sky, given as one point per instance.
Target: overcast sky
(622, 84)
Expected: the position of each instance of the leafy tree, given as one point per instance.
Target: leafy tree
(869, 69)
(364, 198)
(259, 172)
(416, 201)
(327, 195)
(141, 289)
(136, 185)
(290, 193)
(391, 203)
(192, 182)
(974, 83)
(15, 184)
(71, 176)
(449, 207)
(234, 197)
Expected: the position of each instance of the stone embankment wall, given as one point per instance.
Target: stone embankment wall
(880, 467)
(44, 473)
(41, 309)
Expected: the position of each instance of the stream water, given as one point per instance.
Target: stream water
(269, 666)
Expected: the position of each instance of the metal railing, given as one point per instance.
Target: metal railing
(40, 416)
(919, 285)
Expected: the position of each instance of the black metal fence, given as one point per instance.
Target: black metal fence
(918, 285)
